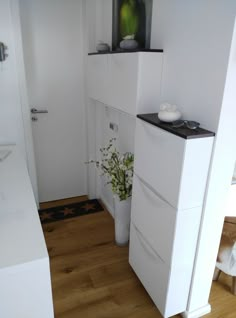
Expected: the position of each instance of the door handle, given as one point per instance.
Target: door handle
(36, 111)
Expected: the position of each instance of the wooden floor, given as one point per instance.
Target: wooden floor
(91, 277)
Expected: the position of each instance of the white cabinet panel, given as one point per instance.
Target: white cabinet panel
(130, 82)
(185, 239)
(154, 218)
(166, 288)
(25, 289)
(159, 160)
(168, 191)
(149, 267)
(98, 77)
(175, 167)
(197, 157)
(124, 74)
(165, 228)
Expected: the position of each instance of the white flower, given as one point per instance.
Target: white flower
(118, 168)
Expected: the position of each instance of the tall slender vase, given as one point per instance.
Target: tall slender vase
(122, 220)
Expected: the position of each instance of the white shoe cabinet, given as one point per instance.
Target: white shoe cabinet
(171, 168)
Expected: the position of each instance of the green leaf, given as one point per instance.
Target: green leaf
(129, 18)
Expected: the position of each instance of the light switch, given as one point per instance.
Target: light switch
(114, 127)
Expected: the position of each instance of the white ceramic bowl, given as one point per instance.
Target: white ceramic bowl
(168, 116)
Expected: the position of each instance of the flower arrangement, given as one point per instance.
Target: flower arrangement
(118, 168)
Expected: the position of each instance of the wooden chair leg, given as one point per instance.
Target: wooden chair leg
(234, 285)
(216, 274)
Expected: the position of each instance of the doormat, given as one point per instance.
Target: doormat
(68, 211)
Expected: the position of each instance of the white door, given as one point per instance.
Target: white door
(53, 51)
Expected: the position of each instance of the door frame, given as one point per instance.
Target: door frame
(25, 108)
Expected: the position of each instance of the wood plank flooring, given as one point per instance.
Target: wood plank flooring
(91, 277)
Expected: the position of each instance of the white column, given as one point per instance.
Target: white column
(220, 176)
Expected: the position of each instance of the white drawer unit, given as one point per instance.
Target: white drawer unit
(171, 168)
(149, 267)
(175, 167)
(130, 82)
(167, 287)
(160, 223)
(147, 209)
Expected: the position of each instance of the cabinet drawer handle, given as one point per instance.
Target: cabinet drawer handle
(152, 253)
(145, 186)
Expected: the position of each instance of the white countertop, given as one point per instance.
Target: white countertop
(21, 236)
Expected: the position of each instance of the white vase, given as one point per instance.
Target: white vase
(122, 220)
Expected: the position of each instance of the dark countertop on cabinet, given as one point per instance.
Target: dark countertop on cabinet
(127, 51)
(182, 132)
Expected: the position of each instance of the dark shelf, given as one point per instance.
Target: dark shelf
(182, 132)
(127, 51)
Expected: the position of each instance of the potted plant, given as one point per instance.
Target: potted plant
(129, 24)
(118, 168)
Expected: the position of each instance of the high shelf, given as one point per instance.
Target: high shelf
(171, 169)
(127, 81)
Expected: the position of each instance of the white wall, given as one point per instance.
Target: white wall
(15, 123)
(124, 142)
(11, 125)
(99, 135)
(99, 22)
(103, 21)
(196, 37)
(217, 192)
(98, 26)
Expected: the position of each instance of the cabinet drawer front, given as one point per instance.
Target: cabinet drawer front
(159, 160)
(168, 289)
(150, 269)
(154, 218)
(98, 77)
(124, 79)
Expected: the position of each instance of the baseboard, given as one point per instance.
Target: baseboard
(197, 313)
(109, 208)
